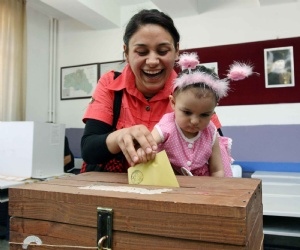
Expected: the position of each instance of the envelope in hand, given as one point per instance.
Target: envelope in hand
(157, 172)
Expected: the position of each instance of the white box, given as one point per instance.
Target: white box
(31, 149)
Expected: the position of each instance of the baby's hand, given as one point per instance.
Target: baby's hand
(143, 156)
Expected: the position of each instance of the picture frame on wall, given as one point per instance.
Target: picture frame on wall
(113, 65)
(279, 67)
(79, 81)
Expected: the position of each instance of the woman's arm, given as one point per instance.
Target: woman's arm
(99, 144)
(93, 142)
(129, 139)
(67, 159)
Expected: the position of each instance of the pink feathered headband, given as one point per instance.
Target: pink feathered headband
(189, 61)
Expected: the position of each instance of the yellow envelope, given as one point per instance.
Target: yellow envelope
(157, 172)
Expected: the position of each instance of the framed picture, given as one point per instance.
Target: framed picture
(78, 82)
(115, 65)
(279, 67)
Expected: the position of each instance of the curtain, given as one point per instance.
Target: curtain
(12, 58)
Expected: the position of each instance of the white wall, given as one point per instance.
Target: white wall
(79, 44)
(37, 107)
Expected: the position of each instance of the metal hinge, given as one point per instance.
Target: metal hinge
(104, 228)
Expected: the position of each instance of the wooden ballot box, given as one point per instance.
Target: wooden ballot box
(102, 211)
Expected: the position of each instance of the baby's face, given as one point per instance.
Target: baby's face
(193, 113)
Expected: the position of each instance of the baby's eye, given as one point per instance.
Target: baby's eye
(204, 115)
(187, 112)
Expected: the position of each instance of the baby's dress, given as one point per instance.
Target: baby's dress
(225, 148)
(190, 153)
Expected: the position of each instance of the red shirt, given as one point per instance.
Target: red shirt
(216, 121)
(135, 108)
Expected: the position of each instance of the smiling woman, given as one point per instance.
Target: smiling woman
(151, 65)
(151, 46)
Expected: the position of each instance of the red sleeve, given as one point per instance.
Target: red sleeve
(216, 121)
(101, 105)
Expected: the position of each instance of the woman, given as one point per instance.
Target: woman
(151, 47)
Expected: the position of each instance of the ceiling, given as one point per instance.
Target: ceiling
(106, 14)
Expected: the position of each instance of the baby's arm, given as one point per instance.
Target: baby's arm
(141, 153)
(215, 162)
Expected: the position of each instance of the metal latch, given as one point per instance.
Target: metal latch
(104, 228)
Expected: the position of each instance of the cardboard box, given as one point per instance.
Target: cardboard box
(31, 149)
(204, 213)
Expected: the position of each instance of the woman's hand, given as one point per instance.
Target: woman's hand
(129, 139)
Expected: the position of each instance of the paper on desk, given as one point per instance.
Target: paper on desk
(157, 172)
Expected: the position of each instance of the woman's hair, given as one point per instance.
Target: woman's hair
(152, 16)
